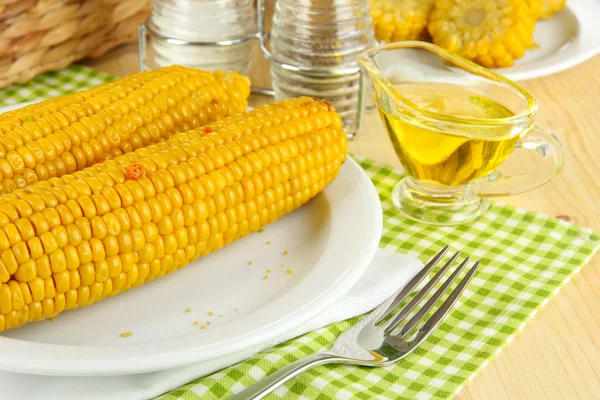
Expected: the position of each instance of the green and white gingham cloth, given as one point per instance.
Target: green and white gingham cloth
(526, 258)
(53, 84)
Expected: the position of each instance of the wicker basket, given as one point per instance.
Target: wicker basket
(43, 35)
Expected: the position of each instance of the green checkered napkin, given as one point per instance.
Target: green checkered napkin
(526, 259)
(53, 84)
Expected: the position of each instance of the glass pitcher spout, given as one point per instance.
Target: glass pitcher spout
(404, 63)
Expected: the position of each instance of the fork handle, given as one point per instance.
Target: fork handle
(278, 378)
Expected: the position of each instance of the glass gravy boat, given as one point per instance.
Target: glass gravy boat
(453, 124)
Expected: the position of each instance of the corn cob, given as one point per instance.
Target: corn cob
(491, 33)
(71, 241)
(66, 134)
(396, 20)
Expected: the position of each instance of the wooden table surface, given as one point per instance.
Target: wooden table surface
(557, 356)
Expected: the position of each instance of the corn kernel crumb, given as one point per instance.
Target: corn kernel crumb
(210, 314)
(207, 322)
(266, 277)
(281, 266)
(235, 309)
(268, 271)
(195, 322)
(261, 230)
(289, 271)
(52, 319)
(285, 253)
(267, 243)
(221, 316)
(188, 310)
(202, 327)
(250, 262)
(125, 334)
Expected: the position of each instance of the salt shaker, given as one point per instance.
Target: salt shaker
(205, 34)
(313, 50)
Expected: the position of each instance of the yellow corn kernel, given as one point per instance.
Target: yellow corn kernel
(84, 252)
(63, 281)
(49, 242)
(48, 310)
(71, 257)
(27, 271)
(12, 319)
(4, 242)
(71, 299)
(58, 261)
(59, 303)
(4, 274)
(37, 288)
(12, 233)
(43, 267)
(83, 295)
(75, 278)
(21, 251)
(5, 299)
(96, 290)
(87, 274)
(50, 290)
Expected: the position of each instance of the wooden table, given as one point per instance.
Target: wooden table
(557, 356)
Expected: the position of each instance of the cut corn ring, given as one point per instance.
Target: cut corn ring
(396, 20)
(491, 33)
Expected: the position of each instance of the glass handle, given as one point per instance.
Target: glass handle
(540, 141)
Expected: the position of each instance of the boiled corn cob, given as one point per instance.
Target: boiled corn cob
(396, 20)
(491, 33)
(71, 241)
(66, 134)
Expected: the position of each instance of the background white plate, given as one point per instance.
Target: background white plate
(570, 37)
(330, 242)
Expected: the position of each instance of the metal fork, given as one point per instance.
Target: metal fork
(374, 342)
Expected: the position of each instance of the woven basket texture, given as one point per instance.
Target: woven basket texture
(44, 35)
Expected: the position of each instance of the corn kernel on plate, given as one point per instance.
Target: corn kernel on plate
(79, 238)
(568, 38)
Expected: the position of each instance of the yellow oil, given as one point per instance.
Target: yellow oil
(450, 158)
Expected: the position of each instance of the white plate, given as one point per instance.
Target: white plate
(330, 242)
(568, 38)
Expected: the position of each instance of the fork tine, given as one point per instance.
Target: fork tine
(414, 282)
(441, 312)
(419, 296)
(419, 315)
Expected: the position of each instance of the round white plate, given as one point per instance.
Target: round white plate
(568, 38)
(329, 242)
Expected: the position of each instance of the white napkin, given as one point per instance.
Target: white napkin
(387, 273)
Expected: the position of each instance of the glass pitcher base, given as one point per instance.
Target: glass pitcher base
(437, 207)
